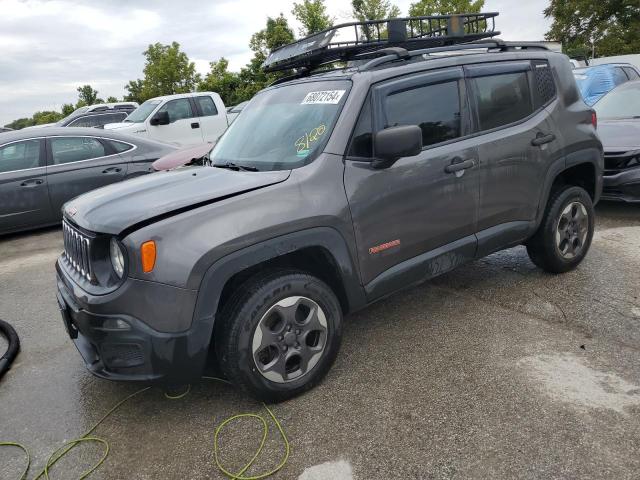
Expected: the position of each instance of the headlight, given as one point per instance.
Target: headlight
(117, 257)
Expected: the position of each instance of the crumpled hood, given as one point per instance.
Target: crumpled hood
(619, 135)
(119, 206)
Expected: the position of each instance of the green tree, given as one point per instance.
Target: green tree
(20, 123)
(444, 7)
(40, 118)
(67, 109)
(87, 95)
(312, 14)
(167, 70)
(364, 10)
(111, 99)
(221, 80)
(606, 27)
(374, 10)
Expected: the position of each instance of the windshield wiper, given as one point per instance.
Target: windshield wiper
(237, 167)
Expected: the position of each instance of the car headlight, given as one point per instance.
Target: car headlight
(117, 257)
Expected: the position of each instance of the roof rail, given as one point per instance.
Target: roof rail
(347, 41)
(488, 44)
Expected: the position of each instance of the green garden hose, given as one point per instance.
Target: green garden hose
(64, 449)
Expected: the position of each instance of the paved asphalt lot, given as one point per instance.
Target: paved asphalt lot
(496, 370)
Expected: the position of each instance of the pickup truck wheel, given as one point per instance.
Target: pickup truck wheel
(279, 334)
(566, 231)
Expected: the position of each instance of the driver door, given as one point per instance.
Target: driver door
(417, 218)
(184, 125)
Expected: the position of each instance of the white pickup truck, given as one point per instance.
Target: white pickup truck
(183, 119)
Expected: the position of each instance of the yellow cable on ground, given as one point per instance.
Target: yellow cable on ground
(64, 449)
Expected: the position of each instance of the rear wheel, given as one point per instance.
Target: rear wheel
(564, 236)
(279, 334)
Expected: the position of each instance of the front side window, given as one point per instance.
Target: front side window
(177, 109)
(20, 156)
(434, 108)
(502, 99)
(89, 121)
(75, 149)
(207, 107)
(141, 113)
(284, 127)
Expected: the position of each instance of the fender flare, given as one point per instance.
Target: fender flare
(222, 270)
(591, 156)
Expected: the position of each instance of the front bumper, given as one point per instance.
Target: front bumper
(623, 186)
(139, 353)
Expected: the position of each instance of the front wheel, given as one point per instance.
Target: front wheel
(279, 334)
(564, 236)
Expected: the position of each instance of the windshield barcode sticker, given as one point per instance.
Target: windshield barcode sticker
(324, 96)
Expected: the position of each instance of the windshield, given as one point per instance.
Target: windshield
(141, 113)
(73, 114)
(623, 102)
(283, 128)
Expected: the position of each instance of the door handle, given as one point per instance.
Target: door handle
(112, 170)
(458, 164)
(542, 138)
(32, 183)
(195, 125)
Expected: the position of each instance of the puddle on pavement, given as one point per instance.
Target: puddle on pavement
(569, 379)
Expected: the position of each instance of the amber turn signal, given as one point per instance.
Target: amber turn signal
(148, 255)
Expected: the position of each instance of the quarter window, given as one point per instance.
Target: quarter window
(502, 99)
(75, 149)
(178, 109)
(631, 73)
(434, 108)
(20, 156)
(120, 146)
(207, 107)
(361, 142)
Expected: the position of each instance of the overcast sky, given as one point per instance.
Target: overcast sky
(50, 47)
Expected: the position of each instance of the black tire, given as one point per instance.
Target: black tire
(247, 309)
(13, 348)
(543, 248)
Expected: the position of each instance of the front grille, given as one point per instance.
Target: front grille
(616, 162)
(122, 355)
(77, 250)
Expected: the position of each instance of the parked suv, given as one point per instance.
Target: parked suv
(329, 192)
(98, 115)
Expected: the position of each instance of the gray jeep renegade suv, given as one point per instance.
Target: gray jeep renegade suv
(330, 191)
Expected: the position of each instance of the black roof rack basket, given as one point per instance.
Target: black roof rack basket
(350, 40)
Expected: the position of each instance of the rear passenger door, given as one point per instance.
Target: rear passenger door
(77, 164)
(516, 142)
(184, 124)
(416, 218)
(24, 200)
(213, 122)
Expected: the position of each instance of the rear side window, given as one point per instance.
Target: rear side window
(74, 149)
(178, 109)
(434, 108)
(20, 156)
(545, 87)
(120, 146)
(207, 106)
(362, 139)
(631, 73)
(502, 99)
(619, 77)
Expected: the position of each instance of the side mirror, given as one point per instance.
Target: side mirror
(160, 118)
(393, 143)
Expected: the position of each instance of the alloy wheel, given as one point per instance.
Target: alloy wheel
(289, 339)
